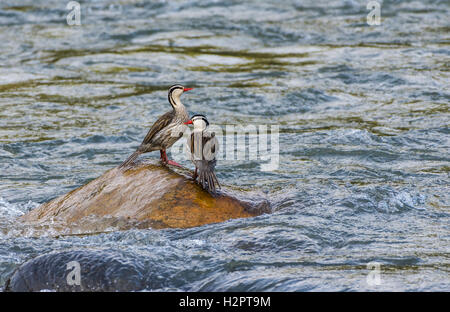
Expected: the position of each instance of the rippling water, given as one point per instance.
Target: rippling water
(364, 133)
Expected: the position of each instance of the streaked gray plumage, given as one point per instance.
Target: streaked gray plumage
(166, 130)
(204, 146)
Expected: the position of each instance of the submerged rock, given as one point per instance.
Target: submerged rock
(146, 195)
(82, 270)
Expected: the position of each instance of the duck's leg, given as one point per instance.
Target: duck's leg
(169, 162)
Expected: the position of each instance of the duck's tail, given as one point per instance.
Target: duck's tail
(208, 179)
(130, 159)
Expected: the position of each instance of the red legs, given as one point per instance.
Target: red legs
(173, 163)
(163, 156)
(165, 160)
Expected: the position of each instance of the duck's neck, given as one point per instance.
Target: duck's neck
(177, 106)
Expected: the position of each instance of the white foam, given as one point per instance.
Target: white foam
(9, 210)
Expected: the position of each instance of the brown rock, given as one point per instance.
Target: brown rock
(146, 195)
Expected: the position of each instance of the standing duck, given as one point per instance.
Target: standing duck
(203, 148)
(166, 130)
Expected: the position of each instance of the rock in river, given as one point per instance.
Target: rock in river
(146, 195)
(83, 270)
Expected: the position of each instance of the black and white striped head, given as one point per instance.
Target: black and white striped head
(199, 121)
(175, 92)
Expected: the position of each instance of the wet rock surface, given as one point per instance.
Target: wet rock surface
(81, 270)
(144, 195)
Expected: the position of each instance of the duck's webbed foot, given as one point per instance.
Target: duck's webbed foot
(173, 163)
(166, 161)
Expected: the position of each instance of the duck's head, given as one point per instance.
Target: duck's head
(199, 121)
(175, 92)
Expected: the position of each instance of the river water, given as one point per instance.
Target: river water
(363, 116)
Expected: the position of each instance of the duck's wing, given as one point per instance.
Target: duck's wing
(210, 139)
(191, 143)
(207, 138)
(160, 124)
(210, 145)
